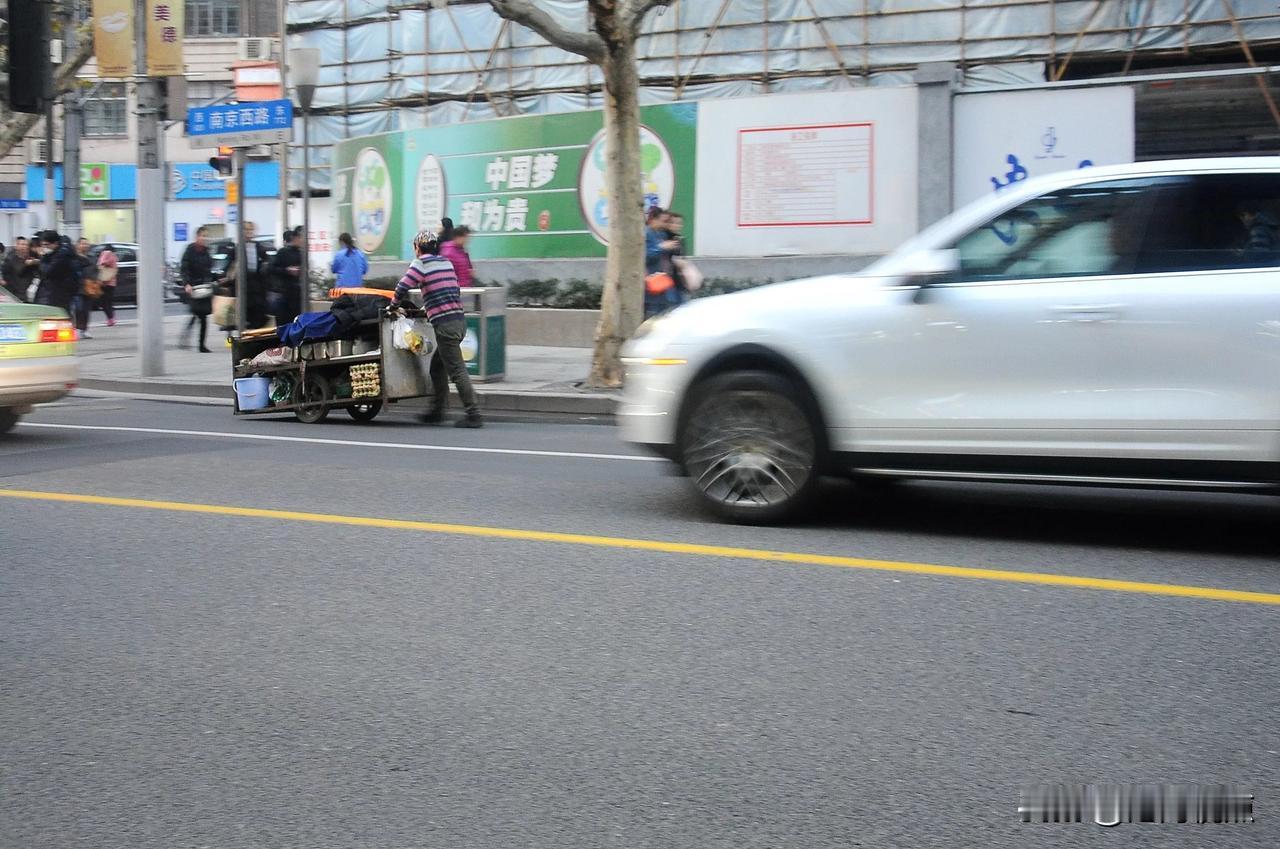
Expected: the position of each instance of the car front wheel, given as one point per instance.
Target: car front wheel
(751, 447)
(8, 418)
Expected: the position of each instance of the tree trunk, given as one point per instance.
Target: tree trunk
(622, 301)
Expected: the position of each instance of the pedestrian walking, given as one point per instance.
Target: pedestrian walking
(446, 230)
(661, 291)
(59, 277)
(90, 288)
(20, 268)
(455, 250)
(286, 275)
(108, 272)
(349, 264)
(196, 272)
(435, 277)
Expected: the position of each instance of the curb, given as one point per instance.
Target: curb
(497, 400)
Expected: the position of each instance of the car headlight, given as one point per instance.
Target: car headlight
(648, 326)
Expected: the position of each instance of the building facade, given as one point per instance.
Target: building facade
(218, 33)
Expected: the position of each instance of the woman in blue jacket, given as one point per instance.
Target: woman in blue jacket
(349, 264)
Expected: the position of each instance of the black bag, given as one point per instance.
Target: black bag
(201, 306)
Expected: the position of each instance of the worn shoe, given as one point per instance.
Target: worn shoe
(111, 322)
(432, 417)
(471, 420)
(205, 350)
(84, 334)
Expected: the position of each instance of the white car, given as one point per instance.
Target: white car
(1115, 326)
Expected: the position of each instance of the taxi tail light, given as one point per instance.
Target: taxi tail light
(57, 331)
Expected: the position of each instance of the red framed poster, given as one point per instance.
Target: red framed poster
(816, 175)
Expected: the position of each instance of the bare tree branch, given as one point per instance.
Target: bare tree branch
(635, 11)
(523, 12)
(15, 127)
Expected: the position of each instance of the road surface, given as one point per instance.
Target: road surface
(219, 632)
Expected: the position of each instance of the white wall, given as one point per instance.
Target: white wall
(828, 173)
(1045, 131)
(261, 211)
(324, 232)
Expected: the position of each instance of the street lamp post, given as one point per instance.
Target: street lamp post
(304, 70)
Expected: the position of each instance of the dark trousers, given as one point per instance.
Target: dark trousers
(448, 364)
(203, 321)
(83, 305)
(107, 301)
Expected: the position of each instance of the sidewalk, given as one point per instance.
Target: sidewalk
(539, 379)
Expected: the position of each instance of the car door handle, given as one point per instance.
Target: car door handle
(1088, 312)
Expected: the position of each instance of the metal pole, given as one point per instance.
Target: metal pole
(50, 183)
(150, 217)
(306, 211)
(242, 248)
(282, 15)
(73, 119)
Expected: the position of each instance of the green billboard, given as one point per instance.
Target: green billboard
(529, 187)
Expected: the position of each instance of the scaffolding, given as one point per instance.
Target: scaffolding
(392, 66)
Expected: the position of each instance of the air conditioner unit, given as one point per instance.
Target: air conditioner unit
(260, 151)
(38, 152)
(255, 49)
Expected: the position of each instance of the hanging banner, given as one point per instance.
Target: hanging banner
(113, 44)
(164, 37)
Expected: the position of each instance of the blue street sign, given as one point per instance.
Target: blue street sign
(240, 124)
(180, 231)
(12, 204)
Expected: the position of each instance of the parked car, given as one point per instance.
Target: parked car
(222, 252)
(127, 278)
(220, 249)
(37, 357)
(1113, 326)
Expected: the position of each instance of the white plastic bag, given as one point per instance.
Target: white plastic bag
(404, 337)
(690, 273)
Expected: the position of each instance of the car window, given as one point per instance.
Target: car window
(126, 255)
(1084, 230)
(1214, 221)
(6, 298)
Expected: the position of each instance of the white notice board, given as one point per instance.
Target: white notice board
(830, 172)
(819, 175)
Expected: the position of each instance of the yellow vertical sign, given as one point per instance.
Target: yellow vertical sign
(113, 44)
(164, 37)
(233, 191)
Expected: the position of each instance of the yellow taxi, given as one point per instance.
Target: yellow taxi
(37, 357)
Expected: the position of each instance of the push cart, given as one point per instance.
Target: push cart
(361, 373)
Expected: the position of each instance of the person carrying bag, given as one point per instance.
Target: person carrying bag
(197, 275)
(108, 271)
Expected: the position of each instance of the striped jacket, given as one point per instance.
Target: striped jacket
(434, 275)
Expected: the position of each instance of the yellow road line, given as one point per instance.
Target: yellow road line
(1046, 579)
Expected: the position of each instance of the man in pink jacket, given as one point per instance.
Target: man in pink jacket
(456, 252)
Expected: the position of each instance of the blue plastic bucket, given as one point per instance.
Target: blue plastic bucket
(253, 393)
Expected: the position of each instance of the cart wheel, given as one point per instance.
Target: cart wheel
(365, 412)
(310, 398)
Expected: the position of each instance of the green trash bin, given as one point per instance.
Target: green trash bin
(485, 348)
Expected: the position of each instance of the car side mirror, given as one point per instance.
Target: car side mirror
(927, 268)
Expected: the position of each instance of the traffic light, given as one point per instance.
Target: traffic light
(30, 65)
(224, 163)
